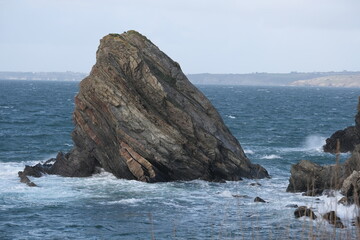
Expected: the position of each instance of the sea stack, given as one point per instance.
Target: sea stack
(138, 117)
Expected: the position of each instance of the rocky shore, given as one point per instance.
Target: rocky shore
(316, 180)
(313, 179)
(138, 117)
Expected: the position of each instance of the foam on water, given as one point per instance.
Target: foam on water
(271, 156)
(248, 151)
(314, 143)
(271, 123)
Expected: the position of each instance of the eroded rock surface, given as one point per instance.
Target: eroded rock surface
(138, 117)
(312, 178)
(351, 189)
(347, 139)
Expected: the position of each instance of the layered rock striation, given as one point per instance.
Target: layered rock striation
(138, 117)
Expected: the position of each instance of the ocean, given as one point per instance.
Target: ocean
(276, 126)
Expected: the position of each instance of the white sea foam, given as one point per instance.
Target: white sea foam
(231, 116)
(271, 156)
(6, 107)
(248, 151)
(226, 193)
(346, 213)
(129, 201)
(314, 143)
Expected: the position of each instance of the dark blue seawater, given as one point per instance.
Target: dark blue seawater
(276, 126)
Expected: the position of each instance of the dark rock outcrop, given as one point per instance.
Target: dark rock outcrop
(259, 199)
(351, 189)
(138, 117)
(304, 211)
(333, 219)
(24, 179)
(345, 140)
(312, 178)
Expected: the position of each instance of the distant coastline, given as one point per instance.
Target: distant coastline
(331, 81)
(314, 79)
(45, 76)
(311, 79)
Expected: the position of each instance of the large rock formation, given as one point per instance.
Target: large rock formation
(313, 178)
(138, 117)
(347, 139)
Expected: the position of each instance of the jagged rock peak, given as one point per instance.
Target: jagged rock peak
(138, 117)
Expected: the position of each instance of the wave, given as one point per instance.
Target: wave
(6, 107)
(271, 156)
(248, 151)
(312, 143)
(346, 213)
(129, 201)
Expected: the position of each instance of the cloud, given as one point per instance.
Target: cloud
(203, 35)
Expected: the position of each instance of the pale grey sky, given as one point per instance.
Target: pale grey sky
(222, 36)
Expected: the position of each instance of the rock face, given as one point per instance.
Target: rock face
(310, 177)
(351, 189)
(347, 138)
(313, 179)
(138, 117)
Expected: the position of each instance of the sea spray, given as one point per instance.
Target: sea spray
(103, 206)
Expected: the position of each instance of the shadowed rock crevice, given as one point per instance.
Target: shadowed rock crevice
(138, 117)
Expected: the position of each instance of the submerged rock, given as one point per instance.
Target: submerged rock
(304, 211)
(333, 219)
(259, 199)
(138, 117)
(24, 179)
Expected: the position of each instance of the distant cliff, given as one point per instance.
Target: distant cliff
(263, 79)
(331, 81)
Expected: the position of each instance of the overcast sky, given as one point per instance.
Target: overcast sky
(222, 36)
